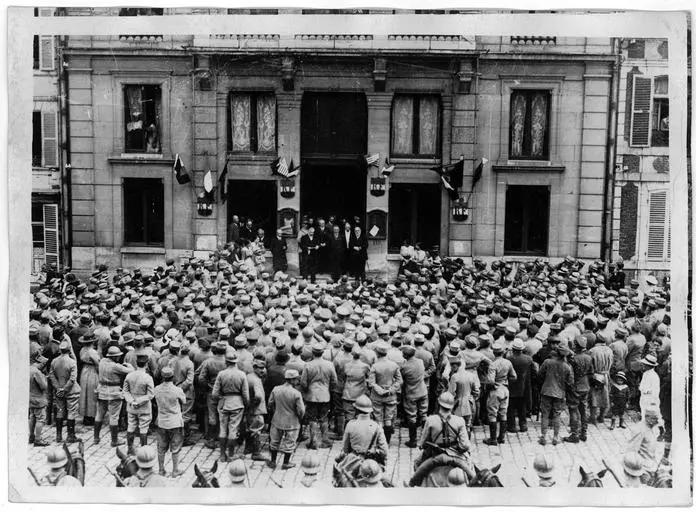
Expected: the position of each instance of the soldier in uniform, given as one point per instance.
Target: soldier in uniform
(145, 476)
(384, 382)
(543, 466)
(415, 393)
(231, 390)
(310, 466)
(238, 473)
(63, 377)
(288, 409)
(110, 393)
(257, 409)
(556, 376)
(138, 392)
(521, 387)
(208, 374)
(577, 395)
(317, 381)
(364, 436)
(500, 373)
(170, 423)
(58, 475)
(38, 386)
(355, 374)
(183, 377)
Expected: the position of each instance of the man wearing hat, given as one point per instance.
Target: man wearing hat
(238, 473)
(58, 475)
(644, 442)
(364, 436)
(384, 382)
(544, 466)
(145, 476)
(183, 377)
(355, 375)
(63, 378)
(38, 387)
(170, 423)
(618, 396)
(317, 381)
(111, 373)
(500, 374)
(521, 387)
(257, 409)
(209, 370)
(602, 360)
(138, 392)
(231, 390)
(287, 407)
(649, 385)
(465, 386)
(370, 474)
(636, 346)
(556, 376)
(415, 393)
(578, 394)
(632, 470)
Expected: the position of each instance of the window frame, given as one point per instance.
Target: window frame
(646, 224)
(658, 137)
(253, 122)
(137, 184)
(415, 142)
(37, 225)
(36, 145)
(126, 108)
(526, 135)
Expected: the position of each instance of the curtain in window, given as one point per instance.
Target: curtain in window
(661, 85)
(265, 122)
(539, 110)
(402, 126)
(519, 108)
(241, 118)
(134, 98)
(429, 122)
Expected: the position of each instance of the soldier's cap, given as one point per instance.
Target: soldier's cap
(318, 348)
(381, 348)
(64, 346)
(231, 355)
(620, 376)
(175, 343)
(581, 341)
(37, 356)
(291, 373)
(113, 351)
(259, 363)
(621, 331)
(498, 347)
(518, 344)
(509, 329)
(88, 337)
(408, 350)
(240, 341)
(142, 358)
(635, 283)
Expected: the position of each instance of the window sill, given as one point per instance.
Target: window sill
(144, 158)
(142, 249)
(251, 157)
(425, 162)
(527, 165)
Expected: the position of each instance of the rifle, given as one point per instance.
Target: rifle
(34, 476)
(612, 473)
(446, 451)
(115, 475)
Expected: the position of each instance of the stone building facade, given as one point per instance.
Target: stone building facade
(535, 109)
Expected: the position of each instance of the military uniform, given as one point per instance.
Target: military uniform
(138, 391)
(63, 377)
(318, 379)
(231, 390)
(288, 410)
(384, 382)
(145, 479)
(109, 391)
(364, 436)
(59, 479)
(210, 369)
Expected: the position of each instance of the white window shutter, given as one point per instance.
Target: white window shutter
(49, 139)
(51, 242)
(46, 11)
(640, 112)
(47, 53)
(658, 226)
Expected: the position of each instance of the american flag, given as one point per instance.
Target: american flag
(372, 159)
(386, 171)
(283, 168)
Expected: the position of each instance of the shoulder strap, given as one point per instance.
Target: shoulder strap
(374, 438)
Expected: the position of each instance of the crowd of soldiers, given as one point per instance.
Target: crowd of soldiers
(234, 354)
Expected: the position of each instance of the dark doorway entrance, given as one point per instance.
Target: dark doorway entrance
(254, 199)
(414, 215)
(333, 145)
(526, 220)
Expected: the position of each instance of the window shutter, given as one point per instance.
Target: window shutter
(47, 53)
(46, 11)
(51, 243)
(657, 224)
(640, 112)
(49, 137)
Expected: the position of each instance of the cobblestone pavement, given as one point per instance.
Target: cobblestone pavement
(516, 457)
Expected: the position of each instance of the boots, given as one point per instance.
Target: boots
(286, 461)
(511, 427)
(210, 437)
(271, 463)
(130, 438)
(97, 431)
(38, 430)
(223, 449)
(59, 430)
(621, 422)
(583, 432)
(187, 435)
(303, 433)
(501, 434)
(613, 423)
(160, 461)
(592, 420)
(176, 472)
(556, 431)
(313, 434)
(388, 431)
(71, 433)
(231, 447)
(492, 430)
(338, 427)
(324, 435)
(256, 448)
(114, 436)
(572, 438)
(412, 441)
(143, 439)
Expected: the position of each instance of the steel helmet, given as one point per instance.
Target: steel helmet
(145, 456)
(56, 457)
(363, 404)
(310, 463)
(456, 477)
(370, 471)
(633, 464)
(543, 465)
(237, 470)
(446, 400)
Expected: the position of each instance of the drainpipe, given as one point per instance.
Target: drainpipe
(612, 123)
(66, 167)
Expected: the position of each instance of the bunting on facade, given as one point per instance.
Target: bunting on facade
(280, 167)
(222, 183)
(293, 171)
(372, 160)
(386, 171)
(478, 172)
(451, 177)
(208, 182)
(182, 177)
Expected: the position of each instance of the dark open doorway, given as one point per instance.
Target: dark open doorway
(255, 199)
(333, 145)
(526, 220)
(414, 215)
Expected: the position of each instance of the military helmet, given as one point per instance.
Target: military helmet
(145, 456)
(363, 404)
(56, 457)
(310, 463)
(633, 464)
(237, 470)
(370, 471)
(456, 477)
(543, 465)
(446, 400)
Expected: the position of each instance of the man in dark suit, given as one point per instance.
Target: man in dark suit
(279, 249)
(347, 237)
(309, 244)
(323, 234)
(520, 389)
(336, 253)
(247, 230)
(233, 230)
(358, 253)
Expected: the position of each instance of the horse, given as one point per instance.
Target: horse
(486, 477)
(662, 478)
(205, 478)
(591, 479)
(346, 472)
(127, 467)
(76, 465)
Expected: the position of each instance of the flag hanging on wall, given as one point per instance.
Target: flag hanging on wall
(293, 171)
(182, 177)
(222, 184)
(451, 177)
(208, 182)
(372, 160)
(478, 172)
(280, 166)
(386, 171)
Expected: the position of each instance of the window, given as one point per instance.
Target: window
(526, 220)
(660, 112)
(414, 215)
(640, 111)
(529, 125)
(47, 53)
(143, 211)
(36, 52)
(133, 11)
(415, 126)
(252, 122)
(37, 224)
(252, 11)
(51, 236)
(658, 247)
(36, 139)
(143, 114)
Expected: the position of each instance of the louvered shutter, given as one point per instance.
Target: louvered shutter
(47, 53)
(46, 11)
(657, 225)
(51, 242)
(49, 139)
(640, 112)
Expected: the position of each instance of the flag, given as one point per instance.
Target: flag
(293, 171)
(280, 166)
(208, 182)
(222, 181)
(446, 183)
(182, 177)
(478, 172)
(386, 171)
(372, 159)
(456, 174)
